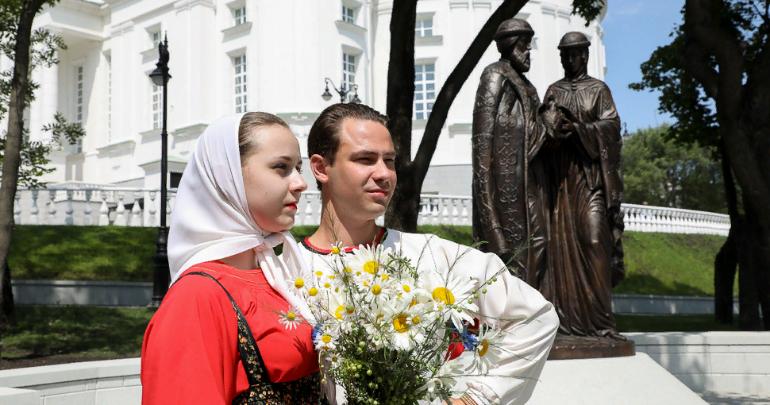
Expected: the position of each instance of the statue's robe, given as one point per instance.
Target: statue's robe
(584, 191)
(507, 134)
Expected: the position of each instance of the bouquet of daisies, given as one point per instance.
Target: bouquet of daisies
(389, 334)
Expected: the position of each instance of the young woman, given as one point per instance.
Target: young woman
(217, 338)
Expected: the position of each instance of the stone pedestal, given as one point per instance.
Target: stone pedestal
(626, 380)
(580, 347)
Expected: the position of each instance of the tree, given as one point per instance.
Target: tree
(660, 171)
(22, 160)
(403, 209)
(713, 78)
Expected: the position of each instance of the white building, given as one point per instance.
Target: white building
(260, 55)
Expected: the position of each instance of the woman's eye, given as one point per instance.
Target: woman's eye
(299, 169)
(280, 166)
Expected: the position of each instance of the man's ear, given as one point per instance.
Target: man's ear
(318, 167)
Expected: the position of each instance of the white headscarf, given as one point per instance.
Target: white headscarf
(211, 218)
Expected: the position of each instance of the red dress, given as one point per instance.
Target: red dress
(190, 349)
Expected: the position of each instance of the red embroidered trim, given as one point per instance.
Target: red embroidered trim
(378, 238)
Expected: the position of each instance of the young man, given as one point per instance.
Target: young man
(352, 158)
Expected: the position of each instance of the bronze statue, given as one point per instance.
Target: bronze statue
(584, 191)
(508, 131)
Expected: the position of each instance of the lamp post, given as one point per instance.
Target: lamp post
(161, 274)
(342, 91)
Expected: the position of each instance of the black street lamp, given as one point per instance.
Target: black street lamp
(342, 91)
(161, 274)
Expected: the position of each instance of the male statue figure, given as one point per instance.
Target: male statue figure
(508, 131)
(584, 191)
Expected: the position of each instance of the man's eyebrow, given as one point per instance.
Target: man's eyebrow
(363, 152)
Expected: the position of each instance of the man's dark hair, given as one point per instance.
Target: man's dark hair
(324, 138)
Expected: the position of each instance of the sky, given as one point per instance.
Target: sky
(633, 29)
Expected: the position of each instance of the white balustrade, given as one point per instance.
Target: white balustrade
(78, 205)
(644, 218)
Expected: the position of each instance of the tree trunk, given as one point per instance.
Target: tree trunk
(726, 261)
(404, 207)
(399, 110)
(738, 94)
(12, 154)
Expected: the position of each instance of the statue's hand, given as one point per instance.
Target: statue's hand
(551, 115)
(566, 127)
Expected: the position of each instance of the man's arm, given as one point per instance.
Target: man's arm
(527, 321)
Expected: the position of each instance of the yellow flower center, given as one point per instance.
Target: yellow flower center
(319, 273)
(327, 285)
(413, 302)
(291, 315)
(312, 291)
(416, 319)
(339, 312)
(400, 323)
(299, 282)
(332, 277)
(443, 294)
(385, 277)
(406, 288)
(376, 289)
(371, 266)
(335, 250)
(326, 338)
(483, 347)
(347, 269)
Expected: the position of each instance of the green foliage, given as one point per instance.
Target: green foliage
(669, 264)
(43, 53)
(660, 171)
(92, 332)
(670, 323)
(83, 252)
(656, 263)
(52, 334)
(685, 98)
(588, 9)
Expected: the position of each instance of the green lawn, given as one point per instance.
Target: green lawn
(669, 264)
(666, 264)
(53, 334)
(88, 333)
(82, 252)
(672, 323)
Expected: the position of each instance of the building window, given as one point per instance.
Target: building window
(423, 27)
(157, 105)
(109, 99)
(174, 179)
(79, 94)
(79, 104)
(155, 38)
(424, 89)
(239, 15)
(348, 70)
(239, 64)
(348, 14)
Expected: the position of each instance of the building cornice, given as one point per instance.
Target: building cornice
(298, 118)
(189, 131)
(236, 31)
(183, 5)
(119, 147)
(354, 28)
(122, 28)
